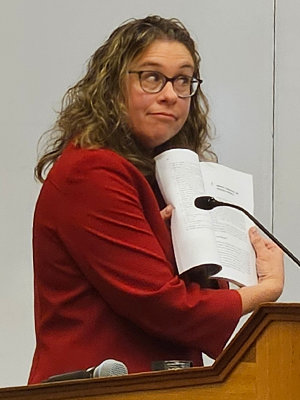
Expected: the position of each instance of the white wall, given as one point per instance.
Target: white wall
(287, 139)
(44, 46)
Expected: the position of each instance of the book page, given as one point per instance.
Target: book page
(180, 180)
(214, 238)
(230, 225)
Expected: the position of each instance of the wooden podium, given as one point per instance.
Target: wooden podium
(262, 362)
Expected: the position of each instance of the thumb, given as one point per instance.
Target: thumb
(256, 240)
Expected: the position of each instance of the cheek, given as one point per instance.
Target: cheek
(137, 107)
(186, 110)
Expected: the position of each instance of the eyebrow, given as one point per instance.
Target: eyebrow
(154, 64)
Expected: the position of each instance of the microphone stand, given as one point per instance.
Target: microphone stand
(208, 203)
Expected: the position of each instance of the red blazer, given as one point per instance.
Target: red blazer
(104, 274)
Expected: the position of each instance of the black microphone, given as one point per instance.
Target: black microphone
(106, 368)
(208, 203)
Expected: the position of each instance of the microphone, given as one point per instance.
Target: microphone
(106, 368)
(208, 203)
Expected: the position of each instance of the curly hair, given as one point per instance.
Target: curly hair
(93, 112)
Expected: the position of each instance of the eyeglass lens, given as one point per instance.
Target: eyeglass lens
(154, 82)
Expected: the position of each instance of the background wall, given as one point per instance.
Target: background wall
(44, 46)
(287, 138)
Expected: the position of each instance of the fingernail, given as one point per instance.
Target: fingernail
(253, 230)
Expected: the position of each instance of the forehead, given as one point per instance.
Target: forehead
(165, 53)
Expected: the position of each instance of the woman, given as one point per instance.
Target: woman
(105, 275)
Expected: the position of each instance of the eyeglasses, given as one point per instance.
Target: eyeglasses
(154, 82)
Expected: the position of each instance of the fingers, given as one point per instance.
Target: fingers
(260, 243)
(269, 257)
(166, 213)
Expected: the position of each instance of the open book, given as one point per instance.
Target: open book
(216, 240)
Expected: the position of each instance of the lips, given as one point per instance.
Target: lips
(164, 115)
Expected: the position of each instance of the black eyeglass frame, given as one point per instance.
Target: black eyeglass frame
(172, 80)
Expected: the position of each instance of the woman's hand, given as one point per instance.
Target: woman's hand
(166, 212)
(269, 260)
(270, 272)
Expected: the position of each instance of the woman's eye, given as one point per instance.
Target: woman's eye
(153, 77)
(184, 80)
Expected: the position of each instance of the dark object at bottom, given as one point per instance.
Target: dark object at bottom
(171, 364)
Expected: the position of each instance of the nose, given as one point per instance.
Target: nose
(168, 93)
